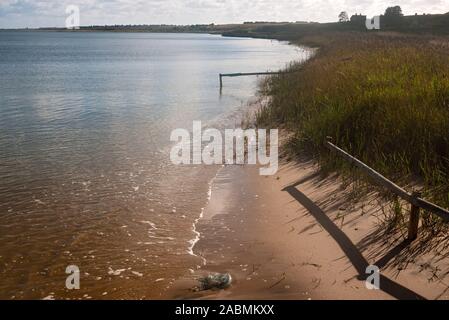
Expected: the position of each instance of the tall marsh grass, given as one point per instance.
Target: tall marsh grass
(383, 99)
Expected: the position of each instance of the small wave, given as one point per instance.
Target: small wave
(152, 225)
(136, 273)
(115, 272)
(161, 238)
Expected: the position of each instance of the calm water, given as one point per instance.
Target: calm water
(85, 177)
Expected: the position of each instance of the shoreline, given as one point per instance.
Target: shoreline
(193, 242)
(308, 244)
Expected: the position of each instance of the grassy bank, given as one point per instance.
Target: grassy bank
(385, 99)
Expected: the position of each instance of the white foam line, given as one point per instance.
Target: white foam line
(152, 225)
(194, 241)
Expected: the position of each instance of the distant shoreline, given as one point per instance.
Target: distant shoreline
(436, 24)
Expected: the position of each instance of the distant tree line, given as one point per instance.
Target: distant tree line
(393, 19)
(392, 15)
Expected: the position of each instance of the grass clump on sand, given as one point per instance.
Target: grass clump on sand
(384, 99)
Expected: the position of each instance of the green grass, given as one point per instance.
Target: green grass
(383, 99)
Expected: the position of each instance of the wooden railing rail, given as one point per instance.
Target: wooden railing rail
(413, 198)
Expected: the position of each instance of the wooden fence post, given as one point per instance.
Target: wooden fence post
(414, 219)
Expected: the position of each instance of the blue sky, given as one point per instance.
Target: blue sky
(51, 13)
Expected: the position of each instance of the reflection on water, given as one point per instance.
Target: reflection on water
(85, 177)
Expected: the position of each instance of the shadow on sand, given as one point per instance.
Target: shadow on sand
(351, 251)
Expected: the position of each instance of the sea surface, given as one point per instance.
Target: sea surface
(85, 173)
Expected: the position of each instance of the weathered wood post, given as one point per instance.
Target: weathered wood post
(414, 218)
(221, 81)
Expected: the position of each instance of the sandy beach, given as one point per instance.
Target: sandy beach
(297, 235)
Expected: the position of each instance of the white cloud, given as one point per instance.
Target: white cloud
(34, 13)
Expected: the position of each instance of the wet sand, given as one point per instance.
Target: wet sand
(296, 235)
